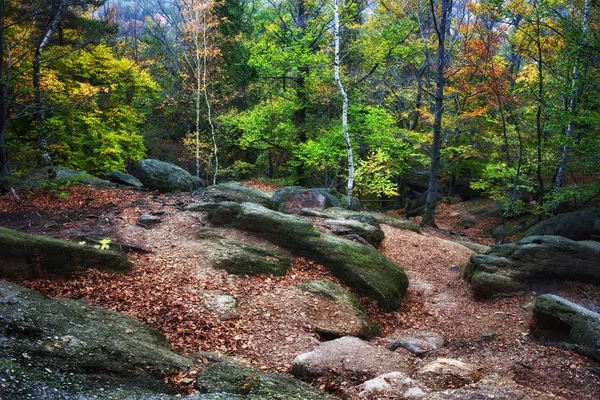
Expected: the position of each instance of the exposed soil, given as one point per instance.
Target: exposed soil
(168, 287)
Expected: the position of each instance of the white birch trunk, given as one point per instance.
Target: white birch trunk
(206, 98)
(338, 81)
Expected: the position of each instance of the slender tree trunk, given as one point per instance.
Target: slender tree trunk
(300, 114)
(513, 197)
(206, 98)
(39, 99)
(441, 30)
(338, 81)
(539, 123)
(573, 103)
(3, 109)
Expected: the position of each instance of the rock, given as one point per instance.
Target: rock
(348, 356)
(62, 348)
(224, 212)
(394, 384)
(508, 268)
(147, 220)
(163, 176)
(235, 192)
(466, 221)
(578, 225)
(448, 373)
(349, 310)
(497, 388)
(241, 258)
(203, 206)
(365, 219)
(373, 235)
(561, 321)
(476, 247)
(26, 256)
(360, 267)
(419, 343)
(122, 178)
(292, 199)
(74, 177)
(230, 379)
(363, 216)
(223, 304)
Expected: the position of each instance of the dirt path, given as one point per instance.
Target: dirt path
(168, 288)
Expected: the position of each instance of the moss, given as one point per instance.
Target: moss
(233, 379)
(235, 192)
(24, 256)
(240, 258)
(488, 284)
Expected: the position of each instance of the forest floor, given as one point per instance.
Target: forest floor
(168, 287)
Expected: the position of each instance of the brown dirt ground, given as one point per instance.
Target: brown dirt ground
(166, 289)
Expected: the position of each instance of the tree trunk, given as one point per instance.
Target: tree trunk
(338, 81)
(3, 111)
(206, 98)
(441, 30)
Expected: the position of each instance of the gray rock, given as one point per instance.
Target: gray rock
(226, 379)
(235, 192)
(476, 247)
(59, 348)
(292, 199)
(122, 178)
(223, 304)
(448, 373)
(394, 384)
(241, 258)
(80, 177)
(466, 221)
(419, 343)
(380, 218)
(373, 235)
(356, 322)
(163, 176)
(147, 220)
(578, 225)
(360, 267)
(25, 256)
(558, 320)
(351, 357)
(508, 268)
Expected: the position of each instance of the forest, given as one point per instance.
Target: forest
(381, 98)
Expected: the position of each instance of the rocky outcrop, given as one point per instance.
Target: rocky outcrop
(26, 256)
(419, 343)
(342, 227)
(351, 317)
(351, 357)
(561, 322)
(241, 258)
(235, 192)
(578, 225)
(508, 268)
(59, 348)
(292, 199)
(380, 218)
(360, 267)
(164, 176)
(73, 177)
(122, 178)
(227, 379)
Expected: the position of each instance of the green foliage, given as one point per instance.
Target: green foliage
(373, 176)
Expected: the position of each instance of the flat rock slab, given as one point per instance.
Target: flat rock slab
(291, 200)
(419, 343)
(236, 192)
(26, 256)
(340, 227)
(230, 379)
(561, 321)
(240, 258)
(448, 373)
(349, 356)
(336, 212)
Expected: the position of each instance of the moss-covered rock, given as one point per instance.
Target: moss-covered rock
(122, 179)
(380, 218)
(561, 321)
(236, 192)
(292, 199)
(25, 256)
(241, 258)
(225, 378)
(373, 235)
(508, 268)
(578, 225)
(340, 295)
(164, 176)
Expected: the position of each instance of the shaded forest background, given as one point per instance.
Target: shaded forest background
(236, 89)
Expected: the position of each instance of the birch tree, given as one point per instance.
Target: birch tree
(340, 86)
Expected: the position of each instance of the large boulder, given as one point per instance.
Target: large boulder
(73, 177)
(60, 348)
(578, 225)
(164, 176)
(231, 379)
(362, 216)
(360, 267)
(508, 268)
(373, 235)
(350, 317)
(241, 258)
(235, 192)
(350, 357)
(292, 199)
(122, 178)
(25, 256)
(563, 322)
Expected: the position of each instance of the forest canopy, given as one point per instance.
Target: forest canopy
(500, 97)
